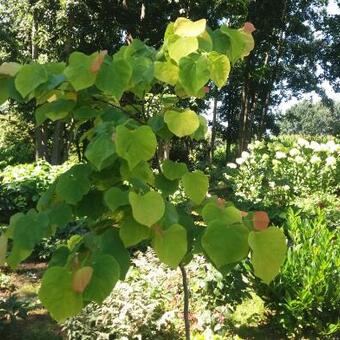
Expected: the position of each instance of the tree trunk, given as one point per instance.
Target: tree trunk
(41, 150)
(58, 146)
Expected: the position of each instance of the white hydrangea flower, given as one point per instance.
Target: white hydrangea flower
(240, 160)
(332, 146)
(286, 187)
(315, 159)
(280, 155)
(294, 152)
(315, 146)
(272, 185)
(232, 165)
(265, 156)
(245, 155)
(330, 160)
(302, 142)
(299, 159)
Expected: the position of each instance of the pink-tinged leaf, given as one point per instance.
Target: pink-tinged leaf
(206, 89)
(249, 27)
(81, 279)
(244, 213)
(98, 61)
(260, 220)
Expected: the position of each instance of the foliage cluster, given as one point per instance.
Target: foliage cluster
(21, 186)
(306, 296)
(312, 119)
(16, 142)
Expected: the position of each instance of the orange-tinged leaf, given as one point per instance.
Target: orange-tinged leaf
(260, 220)
(244, 213)
(98, 61)
(81, 279)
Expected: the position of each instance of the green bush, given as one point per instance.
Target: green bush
(16, 140)
(306, 295)
(21, 186)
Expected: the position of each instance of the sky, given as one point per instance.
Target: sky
(333, 9)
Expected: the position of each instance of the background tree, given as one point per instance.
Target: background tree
(311, 119)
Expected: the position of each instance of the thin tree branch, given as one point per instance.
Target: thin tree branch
(186, 302)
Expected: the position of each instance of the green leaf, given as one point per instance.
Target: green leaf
(221, 42)
(268, 252)
(141, 172)
(59, 257)
(114, 78)
(147, 209)
(27, 231)
(173, 170)
(142, 72)
(187, 28)
(106, 273)
(4, 90)
(240, 43)
(135, 145)
(229, 215)
(182, 123)
(225, 244)
(115, 198)
(29, 78)
(211, 211)
(78, 72)
(194, 73)
(166, 72)
(132, 232)
(86, 112)
(202, 130)
(3, 248)
(195, 185)
(74, 184)
(167, 186)
(182, 47)
(205, 42)
(91, 205)
(56, 110)
(219, 68)
(101, 150)
(170, 245)
(170, 216)
(59, 215)
(110, 243)
(57, 295)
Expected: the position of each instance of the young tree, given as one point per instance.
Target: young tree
(123, 198)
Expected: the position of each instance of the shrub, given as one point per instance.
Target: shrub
(306, 296)
(21, 186)
(16, 142)
(278, 173)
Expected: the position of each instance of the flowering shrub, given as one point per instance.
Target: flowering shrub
(277, 173)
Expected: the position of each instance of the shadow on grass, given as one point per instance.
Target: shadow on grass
(34, 327)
